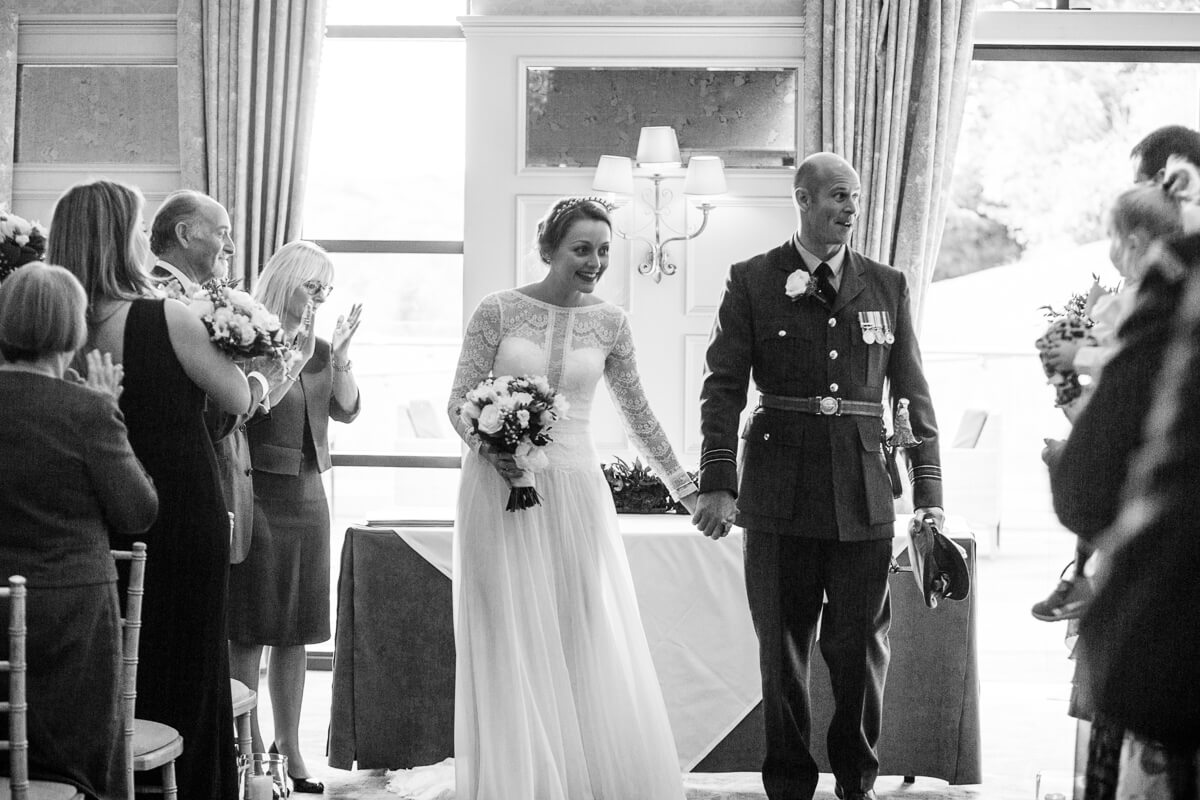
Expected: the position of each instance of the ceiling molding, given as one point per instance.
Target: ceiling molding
(632, 26)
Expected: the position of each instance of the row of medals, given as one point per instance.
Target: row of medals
(876, 327)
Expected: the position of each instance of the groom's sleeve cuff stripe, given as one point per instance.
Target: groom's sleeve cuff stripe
(718, 454)
(925, 472)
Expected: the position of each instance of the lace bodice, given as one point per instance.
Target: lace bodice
(511, 333)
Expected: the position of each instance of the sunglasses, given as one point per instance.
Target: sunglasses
(317, 289)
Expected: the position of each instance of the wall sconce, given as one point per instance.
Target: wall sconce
(658, 159)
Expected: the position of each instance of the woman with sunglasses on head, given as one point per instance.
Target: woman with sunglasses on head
(279, 595)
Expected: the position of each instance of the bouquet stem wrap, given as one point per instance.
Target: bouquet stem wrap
(523, 492)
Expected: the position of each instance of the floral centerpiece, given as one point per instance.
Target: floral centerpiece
(237, 323)
(637, 490)
(21, 242)
(514, 415)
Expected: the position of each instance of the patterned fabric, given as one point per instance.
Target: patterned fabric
(1152, 771)
(1104, 753)
(849, 106)
(219, 137)
(510, 327)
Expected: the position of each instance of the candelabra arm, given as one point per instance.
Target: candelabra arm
(705, 207)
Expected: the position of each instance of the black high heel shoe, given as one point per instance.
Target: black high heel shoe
(302, 785)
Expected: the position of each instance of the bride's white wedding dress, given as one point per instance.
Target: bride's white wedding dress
(556, 696)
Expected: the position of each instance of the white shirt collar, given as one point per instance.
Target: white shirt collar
(189, 285)
(811, 261)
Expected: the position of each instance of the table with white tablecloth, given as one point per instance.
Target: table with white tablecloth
(393, 686)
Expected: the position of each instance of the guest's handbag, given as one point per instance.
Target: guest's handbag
(938, 564)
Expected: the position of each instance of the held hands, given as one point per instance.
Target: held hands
(103, 375)
(714, 512)
(1052, 451)
(344, 331)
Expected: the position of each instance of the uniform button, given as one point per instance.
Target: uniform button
(832, 322)
(833, 354)
(249, 470)
(766, 436)
(783, 333)
(833, 387)
(242, 428)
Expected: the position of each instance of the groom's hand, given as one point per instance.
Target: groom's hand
(714, 513)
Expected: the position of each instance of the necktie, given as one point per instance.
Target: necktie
(825, 283)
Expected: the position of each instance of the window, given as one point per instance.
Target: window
(385, 196)
(1049, 122)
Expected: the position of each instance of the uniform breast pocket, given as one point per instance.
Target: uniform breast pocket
(785, 342)
(771, 454)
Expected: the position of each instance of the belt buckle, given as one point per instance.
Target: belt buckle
(831, 406)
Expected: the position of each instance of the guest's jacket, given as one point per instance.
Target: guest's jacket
(68, 477)
(277, 439)
(803, 349)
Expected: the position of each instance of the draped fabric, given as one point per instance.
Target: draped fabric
(8, 99)
(247, 86)
(885, 83)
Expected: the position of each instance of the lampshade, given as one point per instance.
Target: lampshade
(614, 174)
(705, 175)
(658, 147)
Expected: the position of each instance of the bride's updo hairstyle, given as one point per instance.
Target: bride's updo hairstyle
(553, 227)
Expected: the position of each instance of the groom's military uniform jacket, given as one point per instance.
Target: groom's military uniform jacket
(791, 461)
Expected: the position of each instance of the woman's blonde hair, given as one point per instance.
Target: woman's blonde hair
(292, 265)
(43, 311)
(96, 234)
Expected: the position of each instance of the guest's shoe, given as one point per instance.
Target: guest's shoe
(1067, 601)
(302, 785)
(307, 785)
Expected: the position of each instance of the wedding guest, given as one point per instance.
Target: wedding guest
(280, 592)
(68, 478)
(556, 696)
(1149, 156)
(822, 329)
(170, 366)
(1088, 471)
(1141, 216)
(190, 237)
(1139, 643)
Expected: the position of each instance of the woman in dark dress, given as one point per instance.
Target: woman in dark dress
(68, 478)
(279, 595)
(170, 366)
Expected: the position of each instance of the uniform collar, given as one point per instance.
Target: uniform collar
(811, 262)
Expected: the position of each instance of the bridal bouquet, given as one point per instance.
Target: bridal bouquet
(1072, 323)
(21, 241)
(237, 323)
(514, 415)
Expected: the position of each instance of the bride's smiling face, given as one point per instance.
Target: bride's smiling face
(581, 258)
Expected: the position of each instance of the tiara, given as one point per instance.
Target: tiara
(566, 205)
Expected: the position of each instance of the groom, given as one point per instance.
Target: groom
(821, 328)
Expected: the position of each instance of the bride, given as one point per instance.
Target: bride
(556, 696)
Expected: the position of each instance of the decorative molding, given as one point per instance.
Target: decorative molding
(659, 27)
(701, 292)
(37, 187)
(88, 39)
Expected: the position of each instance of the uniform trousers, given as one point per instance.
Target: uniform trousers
(787, 579)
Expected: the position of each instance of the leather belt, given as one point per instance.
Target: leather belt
(822, 406)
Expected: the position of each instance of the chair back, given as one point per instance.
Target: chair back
(131, 631)
(17, 743)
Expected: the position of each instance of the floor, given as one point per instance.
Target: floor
(1028, 739)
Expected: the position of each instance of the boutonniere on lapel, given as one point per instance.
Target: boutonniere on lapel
(802, 285)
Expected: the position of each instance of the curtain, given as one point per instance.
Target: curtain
(8, 102)
(247, 86)
(885, 83)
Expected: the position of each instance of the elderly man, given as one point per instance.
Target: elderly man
(821, 328)
(191, 238)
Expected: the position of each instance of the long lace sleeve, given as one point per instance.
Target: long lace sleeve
(475, 362)
(643, 428)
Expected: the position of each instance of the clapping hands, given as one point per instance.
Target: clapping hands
(344, 331)
(102, 374)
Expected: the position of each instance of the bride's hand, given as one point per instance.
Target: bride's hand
(503, 463)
